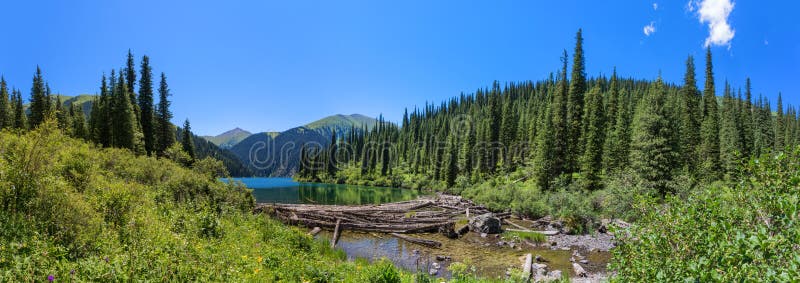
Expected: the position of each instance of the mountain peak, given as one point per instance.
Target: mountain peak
(235, 131)
(341, 120)
(230, 138)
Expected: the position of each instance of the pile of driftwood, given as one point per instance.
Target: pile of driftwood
(426, 214)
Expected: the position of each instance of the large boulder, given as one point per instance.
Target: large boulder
(485, 223)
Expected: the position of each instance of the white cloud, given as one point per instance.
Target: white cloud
(649, 29)
(715, 13)
(655, 6)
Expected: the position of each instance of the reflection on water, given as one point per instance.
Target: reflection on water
(285, 190)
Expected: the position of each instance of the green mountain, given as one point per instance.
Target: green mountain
(278, 154)
(342, 121)
(228, 139)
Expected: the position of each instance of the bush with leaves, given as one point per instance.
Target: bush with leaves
(745, 231)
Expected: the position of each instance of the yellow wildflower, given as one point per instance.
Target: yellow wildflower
(260, 259)
(256, 270)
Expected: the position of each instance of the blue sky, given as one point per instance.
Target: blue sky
(272, 65)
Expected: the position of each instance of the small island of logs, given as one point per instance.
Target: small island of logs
(435, 213)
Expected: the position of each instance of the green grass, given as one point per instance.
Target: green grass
(536, 237)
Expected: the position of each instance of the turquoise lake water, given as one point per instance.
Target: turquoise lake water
(286, 190)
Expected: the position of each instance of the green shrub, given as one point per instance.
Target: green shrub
(744, 232)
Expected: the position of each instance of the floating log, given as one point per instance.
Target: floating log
(425, 214)
(526, 267)
(335, 234)
(423, 242)
(314, 231)
(579, 271)
(517, 225)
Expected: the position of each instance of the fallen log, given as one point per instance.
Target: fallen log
(526, 267)
(335, 234)
(579, 271)
(423, 242)
(314, 231)
(517, 225)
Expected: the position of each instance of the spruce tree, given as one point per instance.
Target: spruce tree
(508, 129)
(730, 142)
(165, 134)
(451, 167)
(122, 117)
(746, 117)
(466, 153)
(779, 125)
(20, 119)
(61, 115)
(560, 125)
(5, 107)
(146, 106)
(709, 131)
(577, 88)
(186, 140)
(102, 113)
(39, 102)
(690, 116)
(78, 122)
(651, 155)
(130, 81)
(591, 161)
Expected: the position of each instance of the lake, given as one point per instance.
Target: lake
(286, 190)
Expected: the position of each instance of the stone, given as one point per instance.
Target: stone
(501, 243)
(436, 265)
(483, 235)
(539, 258)
(485, 223)
(512, 245)
(433, 271)
(584, 261)
(554, 275)
(463, 230)
(440, 257)
(539, 266)
(448, 231)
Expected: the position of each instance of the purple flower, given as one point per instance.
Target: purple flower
(72, 272)
(51, 278)
(106, 259)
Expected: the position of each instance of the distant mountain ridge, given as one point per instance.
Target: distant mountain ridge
(270, 154)
(228, 139)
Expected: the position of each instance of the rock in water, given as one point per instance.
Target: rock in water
(448, 231)
(485, 223)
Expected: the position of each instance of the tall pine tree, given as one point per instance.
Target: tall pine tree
(165, 134)
(709, 131)
(5, 107)
(651, 154)
(591, 162)
(40, 103)
(577, 88)
(186, 140)
(146, 106)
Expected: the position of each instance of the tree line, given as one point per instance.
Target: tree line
(566, 129)
(121, 115)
